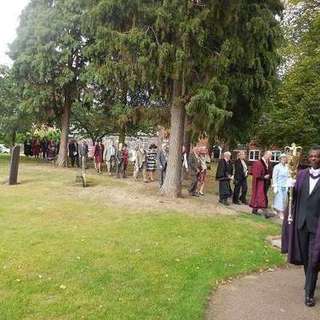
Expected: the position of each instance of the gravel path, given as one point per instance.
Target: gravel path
(274, 295)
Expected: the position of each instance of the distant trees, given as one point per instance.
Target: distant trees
(293, 112)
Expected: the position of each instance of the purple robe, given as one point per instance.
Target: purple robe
(290, 240)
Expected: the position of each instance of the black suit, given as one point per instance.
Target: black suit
(308, 213)
(74, 153)
(194, 166)
(240, 180)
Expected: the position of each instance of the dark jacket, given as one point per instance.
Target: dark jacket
(239, 174)
(73, 149)
(194, 163)
(306, 209)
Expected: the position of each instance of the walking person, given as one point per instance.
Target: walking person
(240, 179)
(225, 175)
(98, 155)
(301, 237)
(185, 165)
(125, 161)
(74, 153)
(280, 178)
(261, 181)
(194, 169)
(203, 171)
(162, 163)
(139, 160)
(151, 162)
(84, 151)
(110, 157)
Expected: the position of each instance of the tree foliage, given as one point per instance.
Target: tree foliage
(293, 114)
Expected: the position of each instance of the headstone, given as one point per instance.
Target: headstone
(14, 165)
(82, 177)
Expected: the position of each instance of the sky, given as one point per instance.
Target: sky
(9, 20)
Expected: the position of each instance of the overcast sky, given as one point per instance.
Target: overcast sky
(9, 20)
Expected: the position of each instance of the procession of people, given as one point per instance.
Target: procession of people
(300, 211)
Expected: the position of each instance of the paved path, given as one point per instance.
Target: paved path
(274, 295)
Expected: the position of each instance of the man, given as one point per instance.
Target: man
(139, 159)
(301, 238)
(185, 165)
(224, 175)
(194, 169)
(261, 181)
(74, 153)
(84, 151)
(110, 157)
(162, 162)
(240, 179)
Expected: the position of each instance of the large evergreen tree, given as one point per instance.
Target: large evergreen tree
(48, 60)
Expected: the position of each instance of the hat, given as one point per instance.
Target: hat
(282, 155)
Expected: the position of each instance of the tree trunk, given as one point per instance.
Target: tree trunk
(172, 184)
(65, 123)
(122, 135)
(13, 137)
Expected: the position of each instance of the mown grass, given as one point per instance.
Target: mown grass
(67, 257)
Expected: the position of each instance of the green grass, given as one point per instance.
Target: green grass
(64, 256)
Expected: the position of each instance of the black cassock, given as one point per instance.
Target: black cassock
(224, 170)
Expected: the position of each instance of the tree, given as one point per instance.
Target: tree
(293, 112)
(48, 60)
(14, 118)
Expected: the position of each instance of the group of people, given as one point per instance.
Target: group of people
(116, 159)
(44, 148)
(301, 228)
(264, 176)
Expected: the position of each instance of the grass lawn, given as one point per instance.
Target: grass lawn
(66, 257)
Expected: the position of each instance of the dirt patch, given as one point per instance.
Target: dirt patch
(130, 194)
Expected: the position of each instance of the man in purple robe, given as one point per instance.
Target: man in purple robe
(261, 180)
(301, 238)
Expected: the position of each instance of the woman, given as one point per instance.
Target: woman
(36, 148)
(280, 178)
(203, 172)
(98, 155)
(151, 162)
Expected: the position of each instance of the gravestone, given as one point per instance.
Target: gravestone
(14, 165)
(82, 176)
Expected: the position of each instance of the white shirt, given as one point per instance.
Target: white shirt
(313, 182)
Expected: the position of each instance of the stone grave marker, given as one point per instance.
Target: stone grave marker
(14, 165)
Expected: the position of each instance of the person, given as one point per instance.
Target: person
(194, 169)
(74, 153)
(28, 147)
(98, 155)
(44, 148)
(36, 148)
(52, 150)
(185, 165)
(261, 181)
(280, 178)
(162, 162)
(240, 179)
(301, 237)
(151, 162)
(203, 171)
(224, 175)
(84, 151)
(125, 162)
(139, 160)
(110, 157)
(119, 161)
